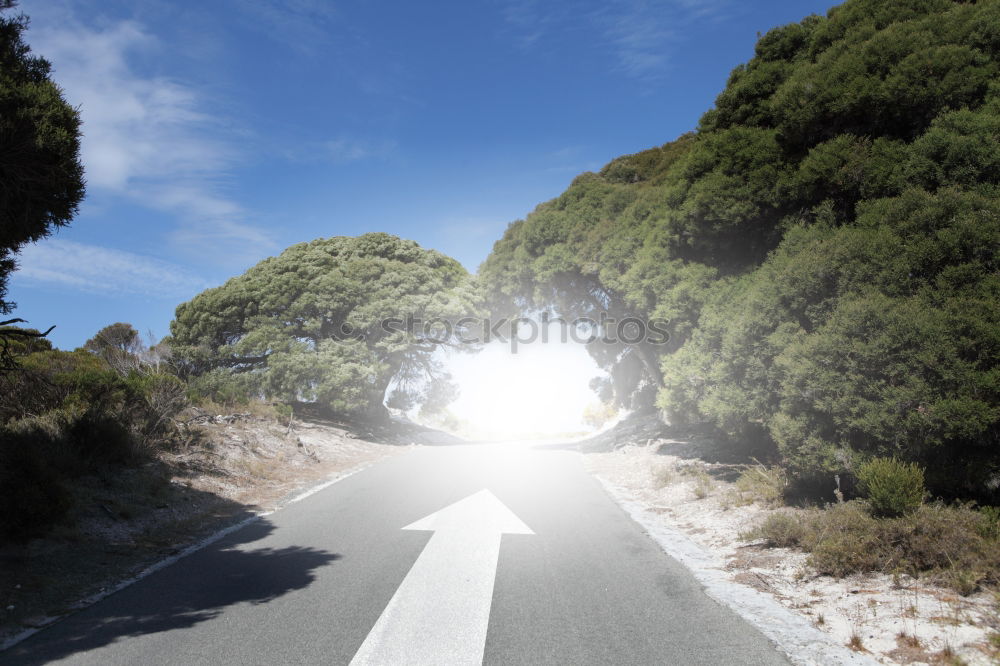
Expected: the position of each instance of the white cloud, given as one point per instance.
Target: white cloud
(301, 24)
(344, 150)
(642, 33)
(639, 34)
(150, 139)
(527, 19)
(101, 270)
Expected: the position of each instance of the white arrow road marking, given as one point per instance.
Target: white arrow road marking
(441, 610)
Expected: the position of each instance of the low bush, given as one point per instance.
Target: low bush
(955, 545)
(33, 496)
(843, 539)
(222, 387)
(662, 475)
(703, 485)
(780, 530)
(893, 488)
(765, 484)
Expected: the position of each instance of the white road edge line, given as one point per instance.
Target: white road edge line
(793, 635)
(86, 602)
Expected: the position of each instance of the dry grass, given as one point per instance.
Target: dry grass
(662, 475)
(762, 484)
(703, 485)
(950, 544)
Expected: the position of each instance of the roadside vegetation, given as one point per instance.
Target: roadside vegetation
(824, 246)
(109, 406)
(893, 530)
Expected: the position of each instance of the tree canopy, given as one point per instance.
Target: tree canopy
(824, 246)
(41, 177)
(326, 321)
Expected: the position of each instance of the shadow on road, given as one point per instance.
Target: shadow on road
(196, 589)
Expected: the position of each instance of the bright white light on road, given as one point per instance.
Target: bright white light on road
(542, 390)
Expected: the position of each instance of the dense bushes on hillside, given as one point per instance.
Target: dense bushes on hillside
(825, 247)
(67, 414)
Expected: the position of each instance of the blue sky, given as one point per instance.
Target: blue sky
(218, 133)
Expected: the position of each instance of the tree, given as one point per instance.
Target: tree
(581, 255)
(41, 177)
(120, 345)
(327, 321)
(825, 247)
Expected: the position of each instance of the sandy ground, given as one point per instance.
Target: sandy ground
(902, 621)
(131, 518)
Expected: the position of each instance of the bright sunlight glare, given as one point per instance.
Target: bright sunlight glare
(540, 391)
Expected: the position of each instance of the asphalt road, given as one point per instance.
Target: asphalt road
(308, 584)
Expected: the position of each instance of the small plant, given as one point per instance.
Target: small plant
(702, 485)
(893, 488)
(963, 581)
(855, 642)
(989, 522)
(733, 497)
(948, 656)
(764, 484)
(662, 476)
(780, 529)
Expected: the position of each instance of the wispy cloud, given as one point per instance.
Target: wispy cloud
(300, 24)
(100, 270)
(347, 149)
(639, 34)
(527, 19)
(569, 159)
(150, 139)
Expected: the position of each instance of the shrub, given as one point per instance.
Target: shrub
(844, 539)
(222, 387)
(781, 529)
(945, 542)
(893, 488)
(32, 494)
(662, 475)
(989, 522)
(765, 484)
(703, 485)
(100, 437)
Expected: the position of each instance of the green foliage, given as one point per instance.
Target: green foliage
(39, 148)
(825, 248)
(780, 529)
(223, 387)
(989, 522)
(33, 496)
(308, 324)
(892, 488)
(119, 344)
(69, 414)
(19, 345)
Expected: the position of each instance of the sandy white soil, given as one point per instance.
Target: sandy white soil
(901, 621)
